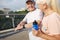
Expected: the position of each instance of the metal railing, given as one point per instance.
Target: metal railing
(12, 17)
(8, 32)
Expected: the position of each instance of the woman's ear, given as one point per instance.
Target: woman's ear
(45, 6)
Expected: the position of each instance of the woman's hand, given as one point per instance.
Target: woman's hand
(37, 32)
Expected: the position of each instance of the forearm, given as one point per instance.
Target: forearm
(28, 25)
(22, 23)
(48, 37)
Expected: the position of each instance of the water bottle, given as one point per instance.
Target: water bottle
(35, 25)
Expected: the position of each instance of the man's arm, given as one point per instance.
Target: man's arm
(29, 25)
(45, 36)
(20, 25)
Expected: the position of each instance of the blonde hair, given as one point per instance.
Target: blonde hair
(53, 4)
(43, 2)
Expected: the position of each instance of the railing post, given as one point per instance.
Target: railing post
(13, 22)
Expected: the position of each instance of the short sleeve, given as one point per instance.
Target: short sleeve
(25, 18)
(39, 15)
(54, 27)
(45, 26)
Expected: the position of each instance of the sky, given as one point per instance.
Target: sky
(12, 4)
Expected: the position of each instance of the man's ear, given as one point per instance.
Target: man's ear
(34, 3)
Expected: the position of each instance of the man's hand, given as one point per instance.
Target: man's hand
(18, 27)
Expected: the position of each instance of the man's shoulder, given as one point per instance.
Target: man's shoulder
(38, 10)
(28, 14)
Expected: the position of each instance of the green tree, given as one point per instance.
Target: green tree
(1, 12)
(11, 12)
(22, 12)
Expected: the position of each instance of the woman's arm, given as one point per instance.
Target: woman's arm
(48, 37)
(39, 33)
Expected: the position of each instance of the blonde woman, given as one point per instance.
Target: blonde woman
(50, 24)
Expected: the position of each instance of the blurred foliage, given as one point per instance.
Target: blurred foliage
(6, 23)
(1, 12)
(21, 12)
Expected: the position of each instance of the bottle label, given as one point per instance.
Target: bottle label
(35, 27)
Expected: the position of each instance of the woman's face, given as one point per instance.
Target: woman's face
(41, 6)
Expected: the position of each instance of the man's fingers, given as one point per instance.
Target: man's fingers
(18, 28)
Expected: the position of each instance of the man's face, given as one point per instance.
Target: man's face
(30, 6)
